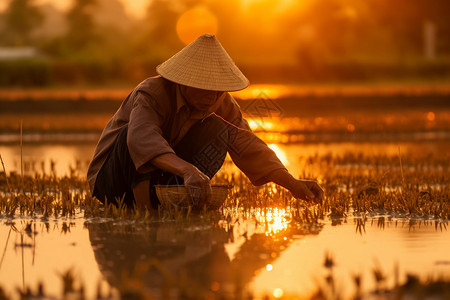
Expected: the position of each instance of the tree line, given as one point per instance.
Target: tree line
(270, 40)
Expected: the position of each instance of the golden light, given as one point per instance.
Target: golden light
(431, 116)
(278, 6)
(275, 219)
(269, 267)
(3, 6)
(215, 286)
(278, 293)
(264, 91)
(253, 124)
(195, 22)
(61, 4)
(350, 127)
(260, 124)
(280, 153)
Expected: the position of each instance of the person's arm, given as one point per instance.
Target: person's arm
(145, 139)
(258, 162)
(196, 182)
(308, 190)
(149, 150)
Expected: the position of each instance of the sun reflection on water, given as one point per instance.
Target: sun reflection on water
(264, 125)
(274, 220)
(271, 223)
(272, 91)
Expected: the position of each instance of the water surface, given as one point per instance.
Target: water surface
(251, 254)
(63, 158)
(237, 253)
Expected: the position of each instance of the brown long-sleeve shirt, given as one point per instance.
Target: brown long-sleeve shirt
(158, 117)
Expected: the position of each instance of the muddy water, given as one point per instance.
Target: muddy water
(166, 259)
(232, 255)
(62, 158)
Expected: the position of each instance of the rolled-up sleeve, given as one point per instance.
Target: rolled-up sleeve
(249, 153)
(145, 138)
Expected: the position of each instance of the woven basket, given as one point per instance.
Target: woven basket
(177, 195)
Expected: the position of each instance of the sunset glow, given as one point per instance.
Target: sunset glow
(276, 220)
(259, 124)
(324, 175)
(280, 153)
(270, 91)
(136, 8)
(195, 22)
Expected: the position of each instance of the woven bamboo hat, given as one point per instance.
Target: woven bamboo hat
(204, 64)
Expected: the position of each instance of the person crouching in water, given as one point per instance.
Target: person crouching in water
(177, 127)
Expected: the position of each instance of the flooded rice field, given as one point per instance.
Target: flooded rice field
(232, 257)
(353, 246)
(381, 232)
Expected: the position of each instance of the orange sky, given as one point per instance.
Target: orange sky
(134, 7)
(137, 7)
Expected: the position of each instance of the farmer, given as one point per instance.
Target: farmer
(176, 128)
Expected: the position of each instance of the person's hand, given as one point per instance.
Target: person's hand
(308, 190)
(198, 185)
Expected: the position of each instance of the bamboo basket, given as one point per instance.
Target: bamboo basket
(177, 195)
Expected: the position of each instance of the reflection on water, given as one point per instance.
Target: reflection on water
(276, 91)
(39, 251)
(414, 248)
(64, 158)
(262, 252)
(173, 259)
(59, 159)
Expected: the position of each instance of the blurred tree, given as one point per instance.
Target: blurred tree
(401, 22)
(376, 30)
(437, 12)
(21, 18)
(156, 33)
(232, 29)
(82, 32)
(114, 29)
(311, 39)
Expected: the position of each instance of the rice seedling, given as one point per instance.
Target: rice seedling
(132, 287)
(134, 282)
(354, 185)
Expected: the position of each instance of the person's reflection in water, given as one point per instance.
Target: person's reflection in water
(173, 260)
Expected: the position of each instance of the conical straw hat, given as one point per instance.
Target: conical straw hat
(204, 64)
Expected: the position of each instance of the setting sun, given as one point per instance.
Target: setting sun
(195, 22)
(261, 149)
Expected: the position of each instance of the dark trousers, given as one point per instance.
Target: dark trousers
(204, 146)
